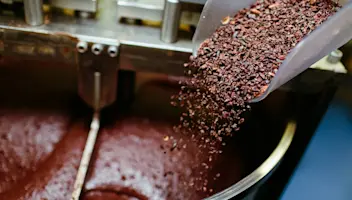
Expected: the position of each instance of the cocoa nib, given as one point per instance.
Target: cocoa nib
(238, 61)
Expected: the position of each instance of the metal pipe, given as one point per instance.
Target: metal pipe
(171, 21)
(97, 92)
(33, 10)
(92, 137)
(86, 156)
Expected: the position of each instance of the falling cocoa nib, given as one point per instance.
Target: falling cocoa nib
(237, 63)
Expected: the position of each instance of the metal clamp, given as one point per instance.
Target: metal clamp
(97, 65)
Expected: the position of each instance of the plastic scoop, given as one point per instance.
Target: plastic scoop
(330, 35)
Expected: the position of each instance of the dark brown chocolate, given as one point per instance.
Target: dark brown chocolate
(146, 160)
(27, 139)
(43, 164)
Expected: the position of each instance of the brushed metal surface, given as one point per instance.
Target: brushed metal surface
(33, 10)
(81, 5)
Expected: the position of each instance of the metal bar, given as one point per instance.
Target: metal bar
(97, 92)
(33, 10)
(171, 21)
(87, 153)
(89, 147)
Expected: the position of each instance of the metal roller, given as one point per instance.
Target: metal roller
(171, 21)
(33, 10)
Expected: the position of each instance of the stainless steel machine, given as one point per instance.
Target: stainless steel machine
(102, 37)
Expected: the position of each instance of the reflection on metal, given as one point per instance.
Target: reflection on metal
(140, 9)
(153, 9)
(24, 49)
(87, 154)
(53, 47)
(79, 5)
(264, 169)
(47, 51)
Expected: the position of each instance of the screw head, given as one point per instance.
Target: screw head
(335, 56)
(97, 49)
(112, 51)
(82, 47)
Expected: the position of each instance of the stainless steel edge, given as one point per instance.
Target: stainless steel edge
(105, 33)
(264, 169)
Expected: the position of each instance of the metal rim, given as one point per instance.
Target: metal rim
(265, 168)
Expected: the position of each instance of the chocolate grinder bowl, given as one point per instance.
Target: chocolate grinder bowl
(131, 158)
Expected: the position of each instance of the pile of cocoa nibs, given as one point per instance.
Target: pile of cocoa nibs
(238, 61)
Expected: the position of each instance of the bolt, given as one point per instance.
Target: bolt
(97, 49)
(112, 51)
(335, 56)
(82, 47)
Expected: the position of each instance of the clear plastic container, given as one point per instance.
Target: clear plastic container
(329, 36)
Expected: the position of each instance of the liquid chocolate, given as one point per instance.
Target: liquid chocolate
(39, 155)
(138, 154)
(134, 157)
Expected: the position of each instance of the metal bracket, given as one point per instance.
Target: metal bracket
(94, 57)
